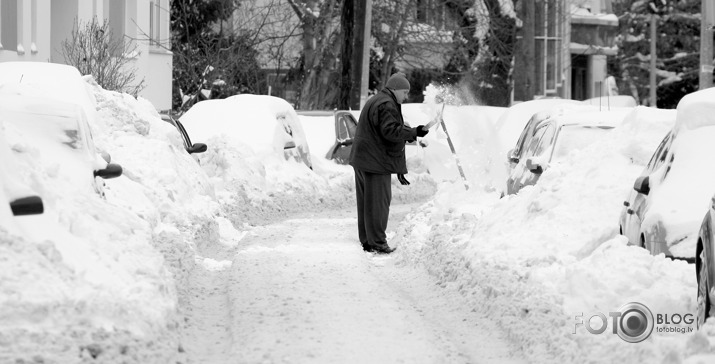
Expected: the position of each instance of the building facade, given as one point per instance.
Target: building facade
(33, 31)
(563, 49)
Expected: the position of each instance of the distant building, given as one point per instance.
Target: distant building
(563, 47)
(33, 31)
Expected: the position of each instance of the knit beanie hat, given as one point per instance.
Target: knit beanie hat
(398, 81)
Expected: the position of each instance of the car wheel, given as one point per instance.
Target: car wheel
(703, 289)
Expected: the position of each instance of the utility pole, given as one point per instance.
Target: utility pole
(706, 43)
(358, 49)
(653, 58)
(365, 79)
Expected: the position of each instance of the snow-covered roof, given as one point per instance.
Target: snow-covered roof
(583, 15)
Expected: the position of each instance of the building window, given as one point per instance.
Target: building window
(114, 12)
(431, 12)
(8, 25)
(155, 23)
(547, 38)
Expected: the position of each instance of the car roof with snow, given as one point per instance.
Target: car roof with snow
(250, 119)
(696, 110)
(52, 80)
(593, 117)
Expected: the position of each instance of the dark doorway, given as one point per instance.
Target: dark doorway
(579, 77)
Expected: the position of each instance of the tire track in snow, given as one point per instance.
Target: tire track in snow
(302, 290)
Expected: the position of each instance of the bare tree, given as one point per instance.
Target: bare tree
(319, 22)
(94, 50)
(212, 59)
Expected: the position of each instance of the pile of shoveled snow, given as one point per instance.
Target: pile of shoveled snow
(536, 260)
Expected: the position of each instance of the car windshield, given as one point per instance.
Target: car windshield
(59, 126)
(576, 137)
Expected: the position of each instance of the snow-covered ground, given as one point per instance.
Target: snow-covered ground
(127, 278)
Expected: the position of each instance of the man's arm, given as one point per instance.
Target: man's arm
(390, 126)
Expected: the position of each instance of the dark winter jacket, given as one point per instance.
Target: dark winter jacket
(379, 142)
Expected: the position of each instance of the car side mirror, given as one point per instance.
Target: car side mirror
(642, 185)
(511, 157)
(31, 205)
(534, 167)
(197, 148)
(111, 171)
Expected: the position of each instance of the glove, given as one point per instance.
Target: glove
(421, 131)
(402, 179)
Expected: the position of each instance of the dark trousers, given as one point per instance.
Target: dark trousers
(374, 193)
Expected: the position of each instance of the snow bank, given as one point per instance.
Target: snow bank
(536, 260)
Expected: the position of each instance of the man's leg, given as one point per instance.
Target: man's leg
(360, 197)
(377, 195)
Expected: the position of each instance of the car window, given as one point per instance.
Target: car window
(670, 164)
(346, 127)
(660, 153)
(576, 137)
(520, 143)
(62, 128)
(546, 139)
(535, 141)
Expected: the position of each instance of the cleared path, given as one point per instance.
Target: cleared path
(302, 291)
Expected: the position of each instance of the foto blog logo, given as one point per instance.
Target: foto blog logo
(633, 322)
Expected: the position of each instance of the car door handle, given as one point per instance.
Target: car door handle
(630, 211)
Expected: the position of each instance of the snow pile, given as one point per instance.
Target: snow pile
(470, 128)
(83, 280)
(536, 260)
(108, 278)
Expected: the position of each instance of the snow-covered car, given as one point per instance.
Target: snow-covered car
(671, 195)
(190, 147)
(21, 200)
(512, 121)
(555, 138)
(345, 126)
(39, 128)
(705, 265)
(515, 154)
(267, 124)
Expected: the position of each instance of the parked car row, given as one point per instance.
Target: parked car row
(670, 209)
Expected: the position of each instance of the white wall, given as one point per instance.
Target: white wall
(33, 32)
(155, 63)
(42, 26)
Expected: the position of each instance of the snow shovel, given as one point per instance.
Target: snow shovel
(451, 146)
